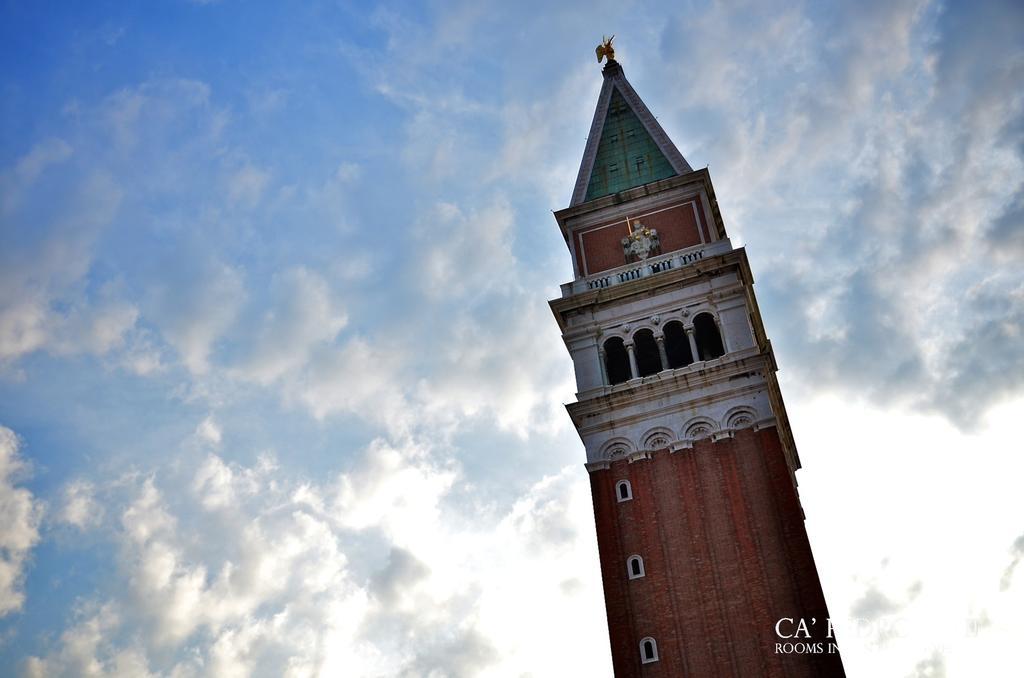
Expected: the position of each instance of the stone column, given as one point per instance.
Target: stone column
(661, 351)
(604, 365)
(633, 369)
(693, 344)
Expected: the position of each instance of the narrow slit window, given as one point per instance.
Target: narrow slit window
(648, 650)
(635, 567)
(623, 490)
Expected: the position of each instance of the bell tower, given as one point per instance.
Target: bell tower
(706, 565)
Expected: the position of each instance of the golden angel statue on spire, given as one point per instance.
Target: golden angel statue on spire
(605, 49)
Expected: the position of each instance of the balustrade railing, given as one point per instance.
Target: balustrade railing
(636, 271)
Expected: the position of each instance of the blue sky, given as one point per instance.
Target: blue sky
(279, 388)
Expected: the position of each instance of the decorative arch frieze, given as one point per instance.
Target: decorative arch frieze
(658, 438)
(617, 448)
(699, 428)
(739, 417)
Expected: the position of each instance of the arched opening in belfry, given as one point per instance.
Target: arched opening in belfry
(709, 340)
(677, 345)
(616, 361)
(648, 359)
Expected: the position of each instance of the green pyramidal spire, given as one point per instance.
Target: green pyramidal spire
(626, 147)
(626, 155)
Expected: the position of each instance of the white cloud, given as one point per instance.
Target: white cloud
(330, 201)
(246, 186)
(19, 528)
(871, 191)
(925, 573)
(372, 572)
(97, 329)
(302, 315)
(79, 506)
(34, 323)
(140, 356)
(195, 312)
(504, 369)
(539, 146)
(466, 254)
(397, 490)
(42, 304)
(348, 172)
(358, 377)
(138, 118)
(86, 650)
(44, 154)
(53, 295)
(209, 431)
(213, 483)
(15, 182)
(511, 368)
(395, 567)
(22, 327)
